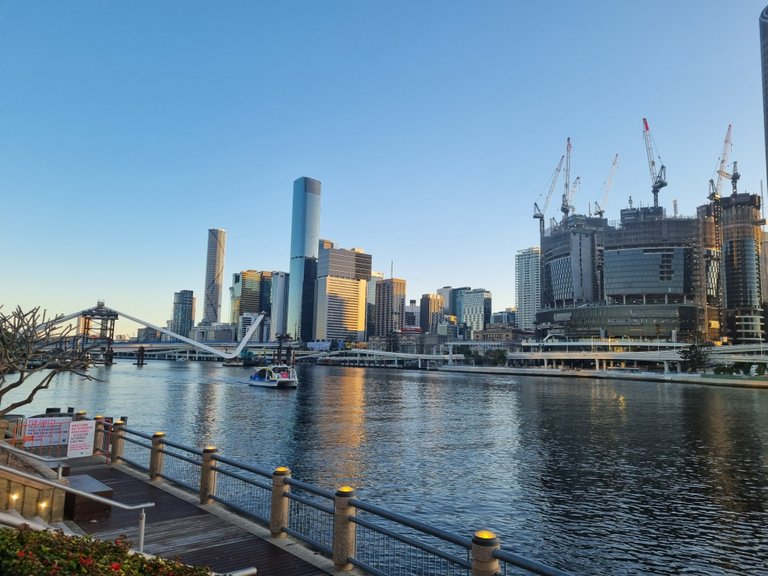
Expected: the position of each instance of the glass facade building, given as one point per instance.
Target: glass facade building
(305, 238)
(183, 315)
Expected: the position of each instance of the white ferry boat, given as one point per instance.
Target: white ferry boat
(274, 376)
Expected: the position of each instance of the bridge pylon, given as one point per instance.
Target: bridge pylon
(96, 330)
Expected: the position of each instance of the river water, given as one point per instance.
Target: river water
(592, 476)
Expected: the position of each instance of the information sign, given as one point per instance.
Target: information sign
(81, 433)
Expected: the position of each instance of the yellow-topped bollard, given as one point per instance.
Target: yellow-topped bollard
(344, 530)
(484, 544)
(278, 518)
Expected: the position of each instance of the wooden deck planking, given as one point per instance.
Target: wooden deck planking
(177, 529)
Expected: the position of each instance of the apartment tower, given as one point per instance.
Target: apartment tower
(527, 286)
(214, 276)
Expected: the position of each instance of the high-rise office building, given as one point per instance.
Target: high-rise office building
(341, 293)
(370, 313)
(251, 292)
(214, 276)
(764, 60)
(305, 238)
(390, 306)
(183, 315)
(527, 286)
(476, 309)
(431, 312)
(445, 294)
(279, 318)
(740, 269)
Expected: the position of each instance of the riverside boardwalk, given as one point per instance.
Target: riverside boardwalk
(177, 527)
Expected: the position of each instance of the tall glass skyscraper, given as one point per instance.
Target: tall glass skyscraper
(305, 239)
(214, 276)
(764, 59)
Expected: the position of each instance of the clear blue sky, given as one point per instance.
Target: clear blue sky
(127, 129)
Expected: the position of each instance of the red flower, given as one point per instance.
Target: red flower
(86, 561)
(115, 566)
(21, 554)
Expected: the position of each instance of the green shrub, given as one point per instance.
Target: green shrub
(26, 552)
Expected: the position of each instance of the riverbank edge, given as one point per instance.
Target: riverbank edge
(676, 377)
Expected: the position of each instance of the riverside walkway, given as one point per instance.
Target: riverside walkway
(179, 528)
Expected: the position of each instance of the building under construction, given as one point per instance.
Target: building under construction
(653, 276)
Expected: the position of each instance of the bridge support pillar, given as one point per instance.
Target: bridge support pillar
(484, 544)
(278, 518)
(344, 543)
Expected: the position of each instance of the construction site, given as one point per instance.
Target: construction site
(651, 275)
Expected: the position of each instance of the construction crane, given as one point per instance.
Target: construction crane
(732, 176)
(539, 213)
(658, 179)
(572, 193)
(716, 187)
(565, 206)
(600, 206)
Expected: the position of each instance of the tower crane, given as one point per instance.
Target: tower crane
(732, 176)
(658, 179)
(716, 187)
(565, 206)
(539, 213)
(600, 206)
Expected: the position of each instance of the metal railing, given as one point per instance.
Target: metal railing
(352, 532)
(89, 496)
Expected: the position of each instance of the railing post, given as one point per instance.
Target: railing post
(484, 543)
(278, 518)
(344, 532)
(80, 415)
(156, 457)
(98, 435)
(118, 441)
(208, 475)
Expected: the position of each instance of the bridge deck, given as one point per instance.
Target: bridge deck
(177, 528)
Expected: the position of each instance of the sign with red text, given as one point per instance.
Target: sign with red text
(46, 431)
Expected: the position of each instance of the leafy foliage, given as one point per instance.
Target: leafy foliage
(31, 345)
(694, 357)
(25, 551)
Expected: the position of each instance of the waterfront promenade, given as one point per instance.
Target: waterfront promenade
(592, 475)
(177, 527)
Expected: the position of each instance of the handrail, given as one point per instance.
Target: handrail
(49, 459)
(94, 497)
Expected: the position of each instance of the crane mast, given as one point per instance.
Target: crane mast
(539, 213)
(658, 179)
(716, 187)
(600, 206)
(565, 206)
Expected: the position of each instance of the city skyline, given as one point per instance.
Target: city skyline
(129, 130)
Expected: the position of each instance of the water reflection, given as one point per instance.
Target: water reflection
(593, 476)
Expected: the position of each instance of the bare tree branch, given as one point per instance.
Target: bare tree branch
(33, 351)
